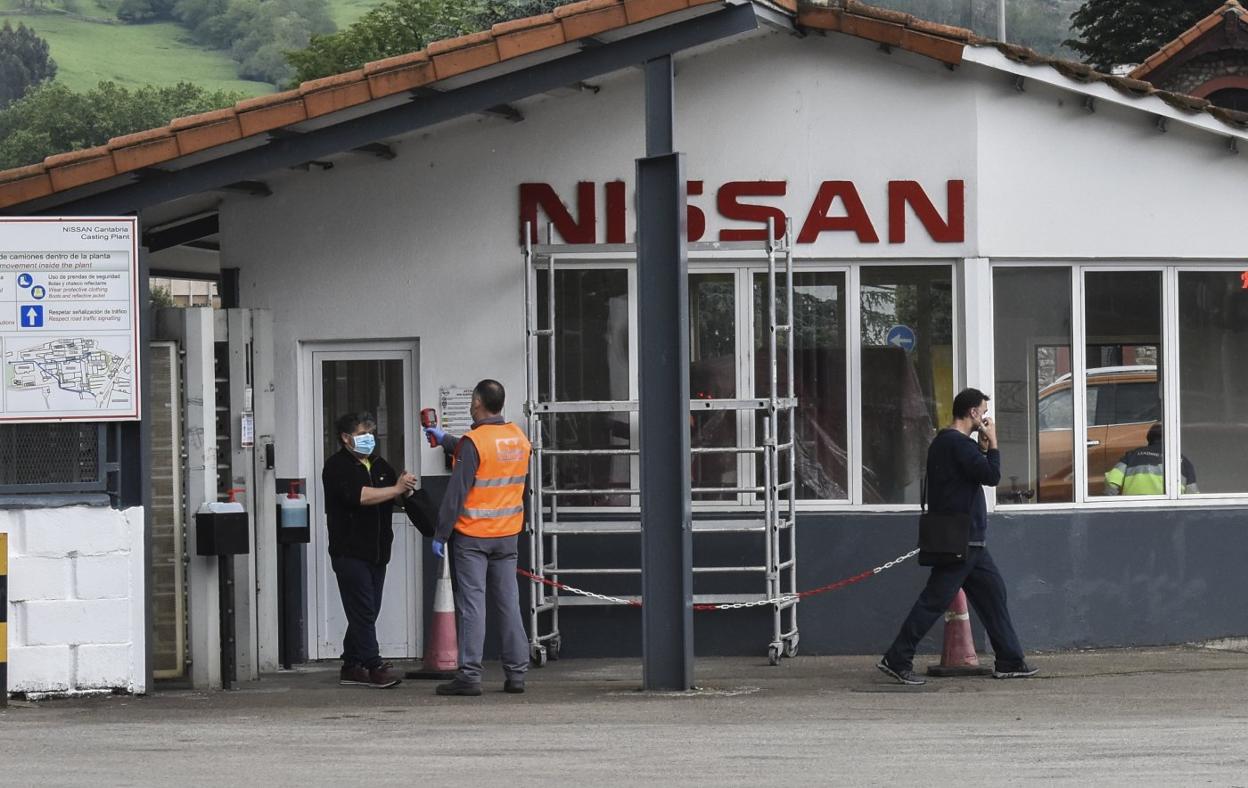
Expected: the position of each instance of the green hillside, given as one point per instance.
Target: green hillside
(89, 44)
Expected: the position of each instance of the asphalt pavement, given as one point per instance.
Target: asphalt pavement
(1167, 716)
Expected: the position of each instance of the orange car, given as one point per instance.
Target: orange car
(1122, 403)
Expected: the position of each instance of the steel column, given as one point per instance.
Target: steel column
(663, 378)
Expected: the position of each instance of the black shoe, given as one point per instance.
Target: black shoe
(514, 686)
(458, 687)
(1023, 671)
(901, 676)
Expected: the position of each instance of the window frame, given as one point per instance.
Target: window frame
(1168, 383)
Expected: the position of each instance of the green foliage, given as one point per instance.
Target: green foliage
(138, 11)
(162, 297)
(24, 62)
(401, 26)
(53, 119)
(255, 32)
(1119, 32)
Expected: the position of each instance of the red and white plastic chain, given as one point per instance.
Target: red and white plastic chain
(780, 600)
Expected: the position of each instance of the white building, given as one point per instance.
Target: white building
(1014, 224)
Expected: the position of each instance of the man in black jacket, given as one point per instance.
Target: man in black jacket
(957, 471)
(360, 492)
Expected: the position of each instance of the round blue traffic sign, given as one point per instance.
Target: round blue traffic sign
(901, 337)
(38, 292)
(25, 280)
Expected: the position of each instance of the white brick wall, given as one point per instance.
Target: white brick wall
(76, 600)
(102, 576)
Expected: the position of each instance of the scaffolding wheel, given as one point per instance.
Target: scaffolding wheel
(538, 656)
(553, 647)
(773, 653)
(790, 646)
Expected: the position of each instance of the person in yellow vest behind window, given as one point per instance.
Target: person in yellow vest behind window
(482, 516)
(1142, 471)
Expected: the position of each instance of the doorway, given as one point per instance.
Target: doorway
(378, 378)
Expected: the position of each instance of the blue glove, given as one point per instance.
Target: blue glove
(436, 435)
(439, 548)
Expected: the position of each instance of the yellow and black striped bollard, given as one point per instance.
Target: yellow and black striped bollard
(4, 617)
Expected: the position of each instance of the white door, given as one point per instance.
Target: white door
(381, 379)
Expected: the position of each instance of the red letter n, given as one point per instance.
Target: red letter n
(574, 231)
(903, 193)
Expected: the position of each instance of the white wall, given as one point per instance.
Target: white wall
(426, 245)
(76, 599)
(1058, 181)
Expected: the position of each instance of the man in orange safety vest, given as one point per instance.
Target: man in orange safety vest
(481, 516)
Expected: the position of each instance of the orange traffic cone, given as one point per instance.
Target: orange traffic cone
(958, 657)
(441, 658)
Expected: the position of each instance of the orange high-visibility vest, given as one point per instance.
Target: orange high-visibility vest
(494, 506)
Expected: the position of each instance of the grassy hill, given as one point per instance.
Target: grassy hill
(89, 44)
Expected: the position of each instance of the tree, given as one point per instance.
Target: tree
(24, 62)
(401, 26)
(54, 119)
(1122, 32)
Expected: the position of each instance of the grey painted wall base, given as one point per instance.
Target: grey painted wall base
(1076, 580)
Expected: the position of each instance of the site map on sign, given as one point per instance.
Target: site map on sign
(68, 372)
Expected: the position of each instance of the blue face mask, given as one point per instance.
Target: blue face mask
(364, 444)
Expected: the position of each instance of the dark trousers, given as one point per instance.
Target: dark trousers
(985, 589)
(360, 584)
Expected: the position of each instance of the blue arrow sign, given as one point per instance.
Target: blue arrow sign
(32, 316)
(901, 337)
(24, 280)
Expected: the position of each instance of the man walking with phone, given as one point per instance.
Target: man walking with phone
(957, 470)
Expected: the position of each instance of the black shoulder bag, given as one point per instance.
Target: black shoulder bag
(942, 537)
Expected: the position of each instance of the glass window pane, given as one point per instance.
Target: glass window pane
(1124, 355)
(713, 375)
(1213, 380)
(1034, 397)
(907, 374)
(818, 378)
(591, 350)
(371, 386)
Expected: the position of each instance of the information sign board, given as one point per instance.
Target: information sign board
(69, 319)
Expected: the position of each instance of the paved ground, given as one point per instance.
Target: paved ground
(1152, 716)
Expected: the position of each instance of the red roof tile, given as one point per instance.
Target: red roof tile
(507, 40)
(1187, 37)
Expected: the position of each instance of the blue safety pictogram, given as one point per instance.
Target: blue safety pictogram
(901, 337)
(38, 292)
(25, 280)
(32, 316)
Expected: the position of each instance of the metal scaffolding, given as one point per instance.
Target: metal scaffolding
(769, 582)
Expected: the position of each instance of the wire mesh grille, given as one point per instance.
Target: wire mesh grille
(49, 454)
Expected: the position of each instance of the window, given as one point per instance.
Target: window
(819, 380)
(1123, 326)
(1032, 314)
(907, 375)
(1213, 380)
(1163, 418)
(591, 347)
(713, 375)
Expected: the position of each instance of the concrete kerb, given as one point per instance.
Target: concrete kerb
(593, 680)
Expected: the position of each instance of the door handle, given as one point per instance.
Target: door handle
(1093, 443)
